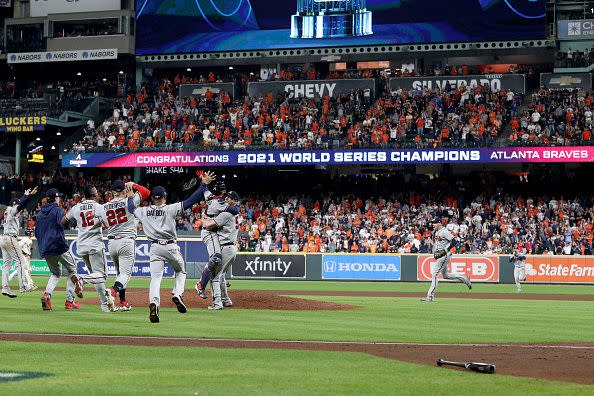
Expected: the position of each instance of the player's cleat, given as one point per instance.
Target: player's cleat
(46, 302)
(468, 283)
(78, 285)
(8, 293)
(227, 304)
(124, 306)
(105, 308)
(228, 284)
(153, 313)
(215, 307)
(519, 290)
(179, 303)
(428, 299)
(28, 289)
(71, 305)
(201, 292)
(110, 300)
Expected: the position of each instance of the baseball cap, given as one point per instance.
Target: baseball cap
(14, 201)
(233, 195)
(53, 193)
(158, 192)
(118, 185)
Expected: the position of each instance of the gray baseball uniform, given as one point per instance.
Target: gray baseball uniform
(89, 243)
(519, 262)
(215, 205)
(227, 235)
(26, 245)
(11, 251)
(442, 240)
(122, 229)
(160, 228)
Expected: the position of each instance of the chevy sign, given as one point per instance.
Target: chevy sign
(575, 29)
(361, 266)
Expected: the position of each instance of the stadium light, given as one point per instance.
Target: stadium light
(79, 74)
(189, 69)
(121, 72)
(104, 79)
(58, 133)
(38, 139)
(53, 147)
(230, 67)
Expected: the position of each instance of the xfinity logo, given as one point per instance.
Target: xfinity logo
(260, 265)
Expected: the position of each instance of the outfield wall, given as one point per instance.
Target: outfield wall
(357, 267)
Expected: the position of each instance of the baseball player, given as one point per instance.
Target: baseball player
(26, 245)
(159, 225)
(122, 229)
(87, 215)
(444, 247)
(225, 225)
(519, 262)
(49, 233)
(9, 244)
(216, 204)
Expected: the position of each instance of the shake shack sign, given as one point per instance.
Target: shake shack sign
(497, 82)
(269, 265)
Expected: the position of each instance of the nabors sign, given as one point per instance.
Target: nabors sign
(479, 268)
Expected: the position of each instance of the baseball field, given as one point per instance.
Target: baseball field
(305, 338)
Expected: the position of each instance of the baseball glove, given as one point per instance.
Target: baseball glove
(439, 254)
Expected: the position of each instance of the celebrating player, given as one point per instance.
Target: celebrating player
(49, 233)
(121, 232)
(519, 262)
(444, 247)
(159, 225)
(225, 225)
(89, 243)
(11, 250)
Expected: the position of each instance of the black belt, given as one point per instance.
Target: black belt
(227, 244)
(114, 237)
(12, 236)
(162, 242)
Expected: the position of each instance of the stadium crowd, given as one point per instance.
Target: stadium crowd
(485, 221)
(456, 117)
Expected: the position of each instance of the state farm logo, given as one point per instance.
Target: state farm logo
(479, 269)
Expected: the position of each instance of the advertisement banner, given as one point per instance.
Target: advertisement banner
(566, 81)
(497, 82)
(269, 266)
(45, 7)
(575, 29)
(38, 267)
(226, 25)
(331, 157)
(62, 56)
(478, 268)
(192, 250)
(19, 124)
(361, 266)
(199, 90)
(5, 3)
(559, 269)
(311, 88)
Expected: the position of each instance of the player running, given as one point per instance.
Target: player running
(89, 244)
(444, 246)
(519, 262)
(49, 233)
(26, 245)
(9, 244)
(225, 225)
(216, 204)
(122, 229)
(158, 221)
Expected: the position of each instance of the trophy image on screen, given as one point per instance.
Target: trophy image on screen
(328, 18)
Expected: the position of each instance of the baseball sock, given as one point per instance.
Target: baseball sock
(117, 286)
(122, 294)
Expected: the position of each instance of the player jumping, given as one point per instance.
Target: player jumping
(519, 262)
(444, 247)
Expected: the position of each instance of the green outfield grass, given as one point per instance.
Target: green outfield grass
(380, 319)
(90, 370)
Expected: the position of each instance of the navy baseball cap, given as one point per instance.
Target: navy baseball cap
(52, 193)
(118, 185)
(158, 192)
(14, 202)
(233, 195)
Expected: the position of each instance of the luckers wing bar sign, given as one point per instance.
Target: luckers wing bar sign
(23, 124)
(335, 157)
(311, 88)
(497, 82)
(63, 56)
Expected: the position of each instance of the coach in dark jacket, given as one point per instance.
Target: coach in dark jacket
(54, 249)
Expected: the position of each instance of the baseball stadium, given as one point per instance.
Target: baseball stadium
(299, 197)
